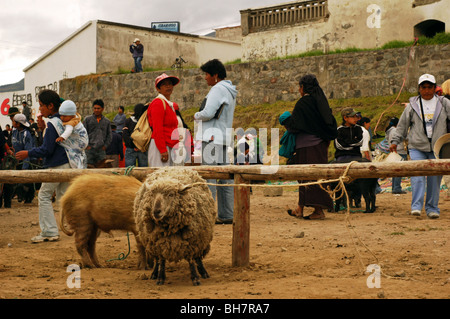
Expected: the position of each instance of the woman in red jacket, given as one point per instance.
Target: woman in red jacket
(163, 120)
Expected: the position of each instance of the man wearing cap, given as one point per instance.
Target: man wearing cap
(137, 49)
(423, 122)
(350, 137)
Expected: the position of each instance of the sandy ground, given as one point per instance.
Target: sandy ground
(289, 258)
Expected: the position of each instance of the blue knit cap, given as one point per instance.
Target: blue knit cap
(68, 108)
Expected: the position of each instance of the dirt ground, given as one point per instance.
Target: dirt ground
(289, 258)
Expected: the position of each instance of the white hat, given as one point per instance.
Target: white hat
(428, 78)
(136, 40)
(441, 148)
(22, 119)
(68, 108)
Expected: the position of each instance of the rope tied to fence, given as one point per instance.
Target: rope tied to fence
(340, 187)
(122, 256)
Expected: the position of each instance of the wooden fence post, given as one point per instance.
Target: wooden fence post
(241, 223)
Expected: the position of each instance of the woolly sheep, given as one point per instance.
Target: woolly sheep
(175, 220)
(95, 202)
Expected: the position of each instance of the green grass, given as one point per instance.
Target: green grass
(439, 38)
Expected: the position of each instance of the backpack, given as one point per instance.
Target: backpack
(142, 133)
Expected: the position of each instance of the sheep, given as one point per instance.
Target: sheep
(95, 202)
(175, 220)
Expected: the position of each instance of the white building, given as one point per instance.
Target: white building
(291, 28)
(103, 47)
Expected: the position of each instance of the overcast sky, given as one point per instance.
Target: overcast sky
(30, 28)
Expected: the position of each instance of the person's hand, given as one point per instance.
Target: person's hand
(89, 147)
(21, 155)
(59, 139)
(164, 157)
(393, 148)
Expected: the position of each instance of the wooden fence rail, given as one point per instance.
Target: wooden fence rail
(242, 176)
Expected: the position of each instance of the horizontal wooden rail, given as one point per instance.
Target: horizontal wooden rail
(251, 172)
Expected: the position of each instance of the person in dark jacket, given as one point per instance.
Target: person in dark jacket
(55, 157)
(315, 126)
(137, 49)
(115, 149)
(98, 128)
(350, 137)
(132, 154)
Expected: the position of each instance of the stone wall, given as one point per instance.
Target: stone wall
(369, 73)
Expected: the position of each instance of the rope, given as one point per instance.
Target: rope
(122, 256)
(339, 188)
(401, 89)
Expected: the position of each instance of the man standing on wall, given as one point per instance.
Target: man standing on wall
(137, 49)
(99, 132)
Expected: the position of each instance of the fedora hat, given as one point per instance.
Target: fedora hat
(441, 148)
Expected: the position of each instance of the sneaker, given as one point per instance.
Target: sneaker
(40, 239)
(224, 221)
(415, 212)
(433, 215)
(400, 192)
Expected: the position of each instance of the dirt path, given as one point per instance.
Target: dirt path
(290, 258)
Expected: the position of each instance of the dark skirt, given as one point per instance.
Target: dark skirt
(313, 195)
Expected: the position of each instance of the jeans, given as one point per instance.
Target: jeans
(213, 154)
(397, 181)
(132, 156)
(47, 220)
(137, 64)
(421, 184)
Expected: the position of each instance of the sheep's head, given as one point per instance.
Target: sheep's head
(169, 204)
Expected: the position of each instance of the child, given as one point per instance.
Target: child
(69, 117)
(72, 134)
(350, 137)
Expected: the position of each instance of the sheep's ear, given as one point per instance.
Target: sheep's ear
(184, 188)
(147, 185)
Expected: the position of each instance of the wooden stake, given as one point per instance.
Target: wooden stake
(241, 224)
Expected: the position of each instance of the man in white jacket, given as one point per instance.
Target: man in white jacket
(423, 121)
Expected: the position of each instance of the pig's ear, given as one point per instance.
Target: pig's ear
(184, 188)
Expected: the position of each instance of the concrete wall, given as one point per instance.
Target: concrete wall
(370, 73)
(161, 48)
(360, 24)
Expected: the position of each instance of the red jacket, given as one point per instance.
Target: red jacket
(164, 123)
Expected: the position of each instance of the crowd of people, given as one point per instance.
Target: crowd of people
(70, 142)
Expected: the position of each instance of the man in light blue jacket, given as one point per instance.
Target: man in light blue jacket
(215, 130)
(423, 121)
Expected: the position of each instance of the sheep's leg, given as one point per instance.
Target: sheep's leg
(194, 274)
(162, 272)
(201, 268)
(91, 246)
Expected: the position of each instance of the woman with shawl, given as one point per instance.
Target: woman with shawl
(315, 126)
